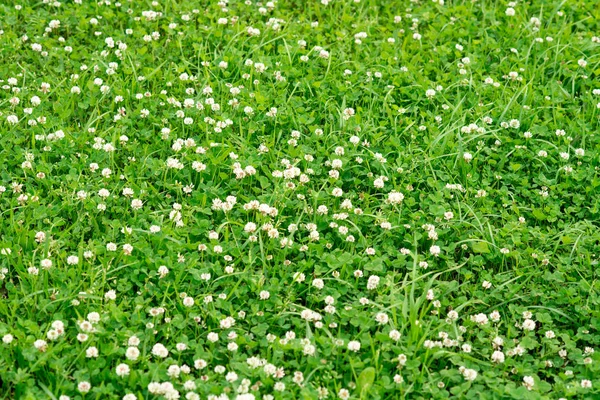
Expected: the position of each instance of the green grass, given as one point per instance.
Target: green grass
(361, 199)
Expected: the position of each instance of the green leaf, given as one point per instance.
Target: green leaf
(529, 343)
(365, 380)
(539, 214)
(481, 247)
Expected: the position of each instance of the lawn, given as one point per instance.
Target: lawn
(299, 199)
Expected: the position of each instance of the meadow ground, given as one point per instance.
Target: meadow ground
(299, 199)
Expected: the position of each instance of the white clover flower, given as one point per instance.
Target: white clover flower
(498, 357)
(469, 374)
(159, 350)
(586, 384)
(84, 387)
(122, 370)
(354, 345)
(529, 325)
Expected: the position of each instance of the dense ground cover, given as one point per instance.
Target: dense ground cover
(299, 199)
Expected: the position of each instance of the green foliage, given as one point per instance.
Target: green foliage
(299, 199)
